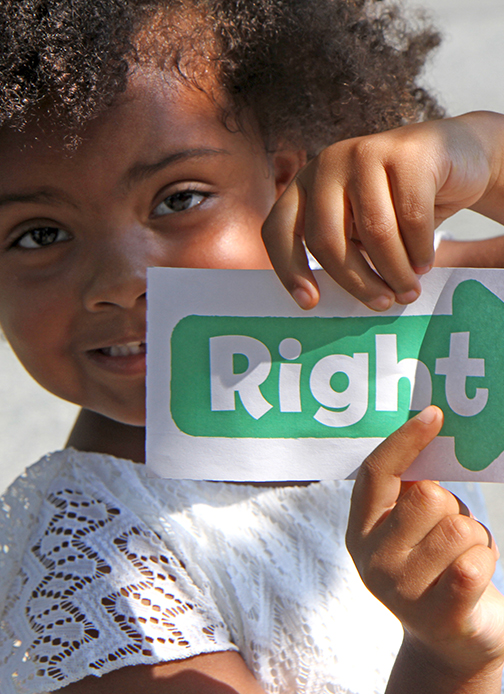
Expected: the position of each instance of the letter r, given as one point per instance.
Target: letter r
(224, 383)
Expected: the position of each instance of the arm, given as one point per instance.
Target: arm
(212, 673)
(484, 253)
(431, 564)
(385, 194)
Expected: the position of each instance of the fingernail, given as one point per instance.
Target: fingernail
(423, 270)
(303, 298)
(381, 303)
(408, 297)
(428, 415)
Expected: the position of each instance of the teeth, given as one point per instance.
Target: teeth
(126, 350)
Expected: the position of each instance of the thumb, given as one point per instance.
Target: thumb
(378, 482)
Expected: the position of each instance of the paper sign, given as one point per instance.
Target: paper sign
(244, 385)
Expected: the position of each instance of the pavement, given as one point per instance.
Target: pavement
(466, 75)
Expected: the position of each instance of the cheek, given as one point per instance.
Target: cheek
(35, 332)
(244, 251)
(238, 242)
(228, 245)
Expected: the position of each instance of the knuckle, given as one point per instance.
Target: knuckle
(327, 162)
(456, 529)
(366, 149)
(370, 470)
(325, 159)
(379, 229)
(427, 494)
(469, 573)
(413, 212)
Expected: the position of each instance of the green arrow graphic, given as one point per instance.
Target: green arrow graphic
(479, 438)
(314, 377)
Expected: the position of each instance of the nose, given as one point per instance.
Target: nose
(117, 271)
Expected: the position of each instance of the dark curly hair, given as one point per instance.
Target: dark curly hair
(310, 71)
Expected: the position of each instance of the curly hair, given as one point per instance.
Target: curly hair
(310, 71)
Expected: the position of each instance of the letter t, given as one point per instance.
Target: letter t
(457, 367)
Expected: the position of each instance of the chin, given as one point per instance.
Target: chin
(127, 408)
(122, 414)
(130, 419)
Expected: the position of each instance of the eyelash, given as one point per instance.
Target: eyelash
(181, 197)
(48, 236)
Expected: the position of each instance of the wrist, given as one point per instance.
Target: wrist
(488, 127)
(421, 669)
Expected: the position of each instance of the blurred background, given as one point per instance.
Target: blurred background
(466, 75)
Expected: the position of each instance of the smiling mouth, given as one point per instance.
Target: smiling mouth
(129, 349)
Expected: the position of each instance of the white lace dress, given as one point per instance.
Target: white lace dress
(102, 567)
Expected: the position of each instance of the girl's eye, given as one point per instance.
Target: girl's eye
(179, 202)
(41, 237)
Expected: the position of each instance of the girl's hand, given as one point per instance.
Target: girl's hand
(421, 554)
(367, 208)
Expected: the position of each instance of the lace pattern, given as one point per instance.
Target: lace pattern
(92, 604)
(120, 569)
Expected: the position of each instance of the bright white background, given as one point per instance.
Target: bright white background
(466, 73)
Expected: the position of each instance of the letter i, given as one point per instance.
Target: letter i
(290, 375)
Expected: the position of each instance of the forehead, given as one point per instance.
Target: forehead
(156, 112)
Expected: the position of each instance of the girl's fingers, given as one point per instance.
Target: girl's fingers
(342, 259)
(378, 482)
(426, 516)
(380, 233)
(341, 204)
(283, 235)
(442, 547)
(463, 582)
(491, 544)
(415, 214)
(400, 576)
(328, 230)
(416, 513)
(318, 218)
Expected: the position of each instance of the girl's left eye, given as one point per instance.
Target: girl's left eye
(180, 202)
(42, 237)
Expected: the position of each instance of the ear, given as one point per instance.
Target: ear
(286, 164)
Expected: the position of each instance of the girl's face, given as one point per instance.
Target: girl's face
(157, 180)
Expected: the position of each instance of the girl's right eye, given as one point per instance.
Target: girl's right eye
(41, 237)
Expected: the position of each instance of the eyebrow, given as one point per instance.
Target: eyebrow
(139, 172)
(42, 195)
(136, 173)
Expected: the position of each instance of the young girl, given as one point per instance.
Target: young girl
(149, 133)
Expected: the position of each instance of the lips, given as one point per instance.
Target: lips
(124, 358)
